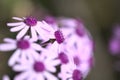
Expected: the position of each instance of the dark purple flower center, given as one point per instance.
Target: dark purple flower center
(63, 57)
(59, 36)
(80, 31)
(76, 75)
(39, 66)
(23, 44)
(30, 21)
(76, 60)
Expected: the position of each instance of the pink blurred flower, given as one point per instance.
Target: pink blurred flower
(114, 46)
(114, 42)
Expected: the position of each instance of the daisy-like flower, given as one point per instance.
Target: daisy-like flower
(81, 57)
(23, 48)
(5, 77)
(24, 24)
(39, 68)
(56, 34)
(75, 32)
(70, 72)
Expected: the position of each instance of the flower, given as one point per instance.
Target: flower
(31, 23)
(114, 46)
(5, 77)
(116, 31)
(38, 68)
(81, 57)
(70, 72)
(114, 42)
(23, 48)
(74, 31)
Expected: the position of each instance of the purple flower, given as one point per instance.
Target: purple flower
(114, 46)
(31, 23)
(23, 48)
(70, 72)
(38, 68)
(114, 42)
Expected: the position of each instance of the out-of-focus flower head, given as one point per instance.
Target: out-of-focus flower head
(114, 42)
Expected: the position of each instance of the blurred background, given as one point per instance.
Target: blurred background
(99, 17)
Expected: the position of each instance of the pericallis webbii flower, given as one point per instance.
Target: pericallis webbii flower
(23, 48)
(35, 26)
(68, 57)
(40, 67)
(79, 46)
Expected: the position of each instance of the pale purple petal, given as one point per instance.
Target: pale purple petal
(36, 46)
(40, 77)
(9, 40)
(49, 76)
(55, 62)
(22, 32)
(14, 58)
(20, 67)
(22, 76)
(15, 24)
(32, 77)
(18, 28)
(7, 47)
(50, 68)
(33, 54)
(34, 34)
(17, 18)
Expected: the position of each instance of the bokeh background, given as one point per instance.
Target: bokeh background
(99, 17)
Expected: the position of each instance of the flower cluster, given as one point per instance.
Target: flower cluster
(51, 49)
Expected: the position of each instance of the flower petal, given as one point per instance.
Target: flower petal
(17, 18)
(40, 77)
(22, 76)
(34, 34)
(9, 40)
(36, 46)
(18, 28)
(15, 24)
(22, 32)
(49, 76)
(14, 58)
(7, 47)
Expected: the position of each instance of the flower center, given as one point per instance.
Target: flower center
(80, 31)
(59, 36)
(76, 75)
(76, 60)
(30, 21)
(23, 44)
(63, 57)
(39, 66)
